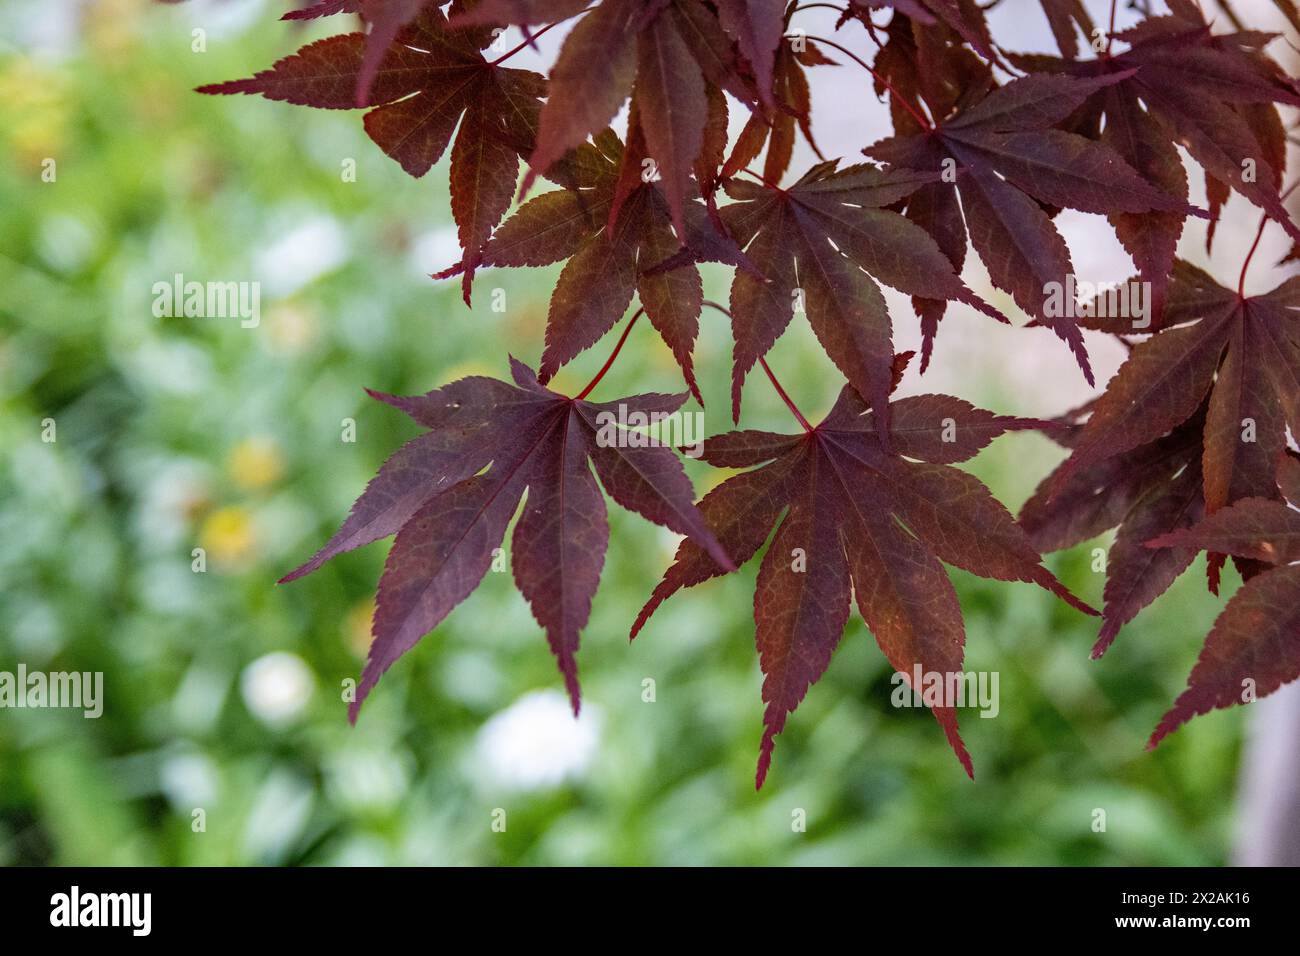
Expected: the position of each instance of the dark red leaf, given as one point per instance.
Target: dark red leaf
(1253, 398)
(661, 53)
(1252, 650)
(1012, 161)
(427, 81)
(607, 263)
(818, 246)
(450, 494)
(856, 518)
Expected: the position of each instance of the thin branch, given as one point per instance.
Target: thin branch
(530, 39)
(902, 100)
(785, 396)
(1259, 234)
(789, 402)
(760, 177)
(609, 361)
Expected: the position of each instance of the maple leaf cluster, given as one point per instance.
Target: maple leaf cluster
(1186, 450)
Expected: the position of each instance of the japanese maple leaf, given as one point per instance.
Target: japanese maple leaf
(927, 67)
(1012, 159)
(964, 17)
(1241, 351)
(1212, 94)
(1064, 17)
(660, 52)
(790, 110)
(323, 8)
(851, 517)
(428, 83)
(1254, 646)
(1147, 491)
(930, 66)
(758, 27)
(449, 494)
(385, 19)
(811, 244)
(608, 260)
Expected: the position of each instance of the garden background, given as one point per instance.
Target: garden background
(222, 689)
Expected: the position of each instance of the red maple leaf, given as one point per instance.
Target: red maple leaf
(1241, 351)
(853, 518)
(1011, 159)
(789, 108)
(1254, 646)
(964, 18)
(817, 246)
(429, 83)
(449, 494)
(323, 8)
(616, 232)
(1145, 492)
(1195, 419)
(1214, 94)
(662, 53)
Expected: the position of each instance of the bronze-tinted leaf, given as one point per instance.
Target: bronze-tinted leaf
(857, 519)
(450, 494)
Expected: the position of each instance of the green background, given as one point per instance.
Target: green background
(181, 433)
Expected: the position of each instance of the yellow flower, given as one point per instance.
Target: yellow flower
(292, 327)
(229, 537)
(356, 627)
(255, 463)
(34, 113)
(113, 26)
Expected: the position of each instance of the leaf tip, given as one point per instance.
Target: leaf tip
(764, 757)
(1106, 637)
(947, 718)
(1049, 582)
(530, 177)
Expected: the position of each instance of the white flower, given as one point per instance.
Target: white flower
(189, 779)
(175, 490)
(302, 254)
(276, 687)
(536, 743)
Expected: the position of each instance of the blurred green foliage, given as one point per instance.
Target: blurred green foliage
(181, 433)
